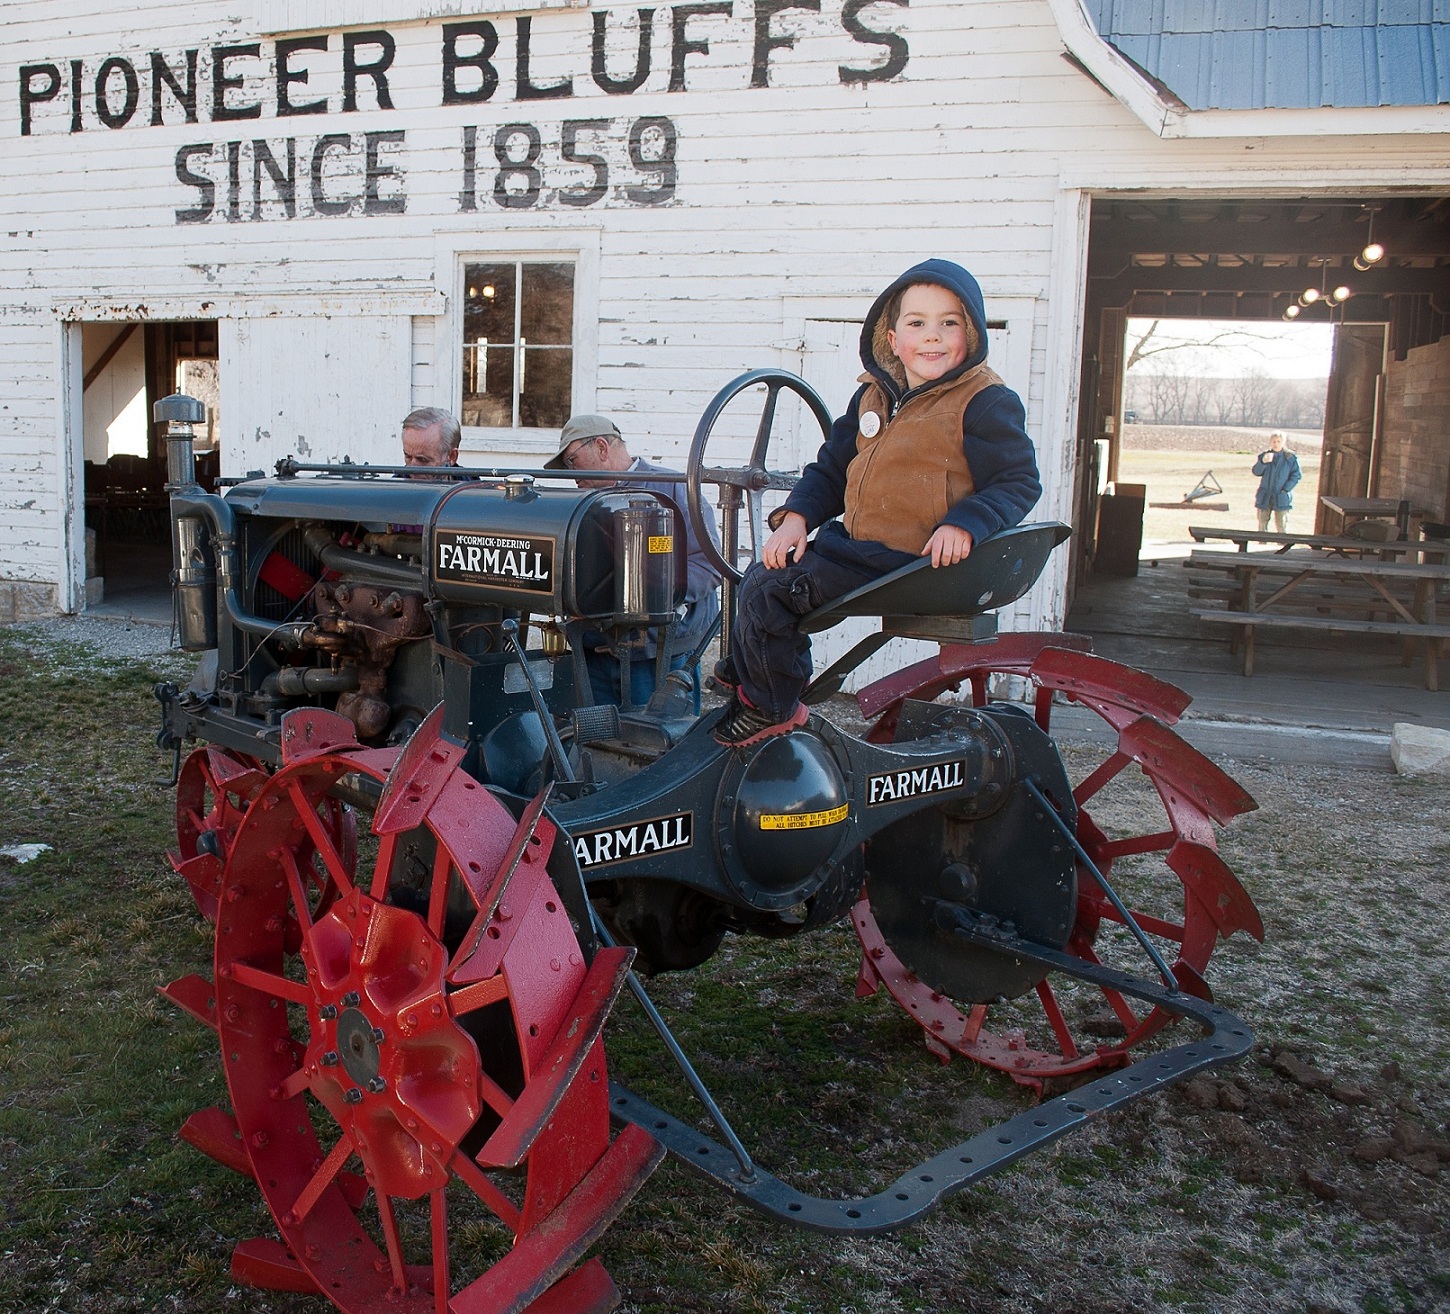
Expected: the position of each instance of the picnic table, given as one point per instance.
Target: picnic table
(1340, 544)
(1339, 594)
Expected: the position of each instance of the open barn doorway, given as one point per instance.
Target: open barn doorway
(1370, 275)
(126, 368)
(1250, 272)
(1202, 399)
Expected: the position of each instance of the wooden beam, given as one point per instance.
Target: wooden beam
(107, 356)
(1114, 239)
(1256, 278)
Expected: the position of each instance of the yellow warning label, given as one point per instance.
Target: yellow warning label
(803, 820)
(661, 543)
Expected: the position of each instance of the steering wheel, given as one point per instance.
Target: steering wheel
(752, 480)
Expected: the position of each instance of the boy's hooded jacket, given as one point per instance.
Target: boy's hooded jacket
(952, 451)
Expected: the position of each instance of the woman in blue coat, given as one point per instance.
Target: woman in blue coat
(1278, 471)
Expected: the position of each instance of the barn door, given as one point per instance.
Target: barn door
(1351, 416)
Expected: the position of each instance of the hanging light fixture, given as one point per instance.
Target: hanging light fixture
(1311, 294)
(1291, 311)
(1340, 295)
(1373, 251)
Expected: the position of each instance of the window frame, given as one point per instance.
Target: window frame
(579, 247)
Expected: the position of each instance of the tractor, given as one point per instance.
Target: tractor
(433, 864)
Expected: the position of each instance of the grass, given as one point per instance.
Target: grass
(1166, 1206)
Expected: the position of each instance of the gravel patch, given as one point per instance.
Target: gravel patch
(113, 640)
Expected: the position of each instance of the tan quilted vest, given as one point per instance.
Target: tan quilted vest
(902, 482)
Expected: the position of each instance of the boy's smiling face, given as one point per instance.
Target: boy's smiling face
(930, 334)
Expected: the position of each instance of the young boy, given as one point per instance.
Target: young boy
(930, 457)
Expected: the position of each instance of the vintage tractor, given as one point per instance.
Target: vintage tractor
(433, 863)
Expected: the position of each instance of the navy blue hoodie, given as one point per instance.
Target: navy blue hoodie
(994, 435)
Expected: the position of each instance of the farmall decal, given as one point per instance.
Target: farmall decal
(891, 786)
(522, 563)
(596, 848)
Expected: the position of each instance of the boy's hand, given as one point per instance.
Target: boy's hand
(790, 537)
(947, 546)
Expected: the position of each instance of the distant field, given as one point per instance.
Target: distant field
(1203, 438)
(1171, 460)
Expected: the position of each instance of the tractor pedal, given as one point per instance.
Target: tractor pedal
(595, 724)
(266, 1264)
(550, 1082)
(215, 1133)
(587, 1290)
(544, 1253)
(194, 995)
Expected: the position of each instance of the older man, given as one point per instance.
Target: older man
(430, 438)
(593, 442)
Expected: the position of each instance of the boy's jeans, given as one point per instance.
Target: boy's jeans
(770, 654)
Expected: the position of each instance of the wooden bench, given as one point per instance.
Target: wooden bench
(1308, 586)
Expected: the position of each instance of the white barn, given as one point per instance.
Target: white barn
(519, 210)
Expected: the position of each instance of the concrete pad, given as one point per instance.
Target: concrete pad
(1420, 750)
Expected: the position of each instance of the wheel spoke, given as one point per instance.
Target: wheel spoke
(321, 840)
(1048, 998)
(1116, 1001)
(387, 850)
(767, 422)
(438, 889)
(478, 995)
(294, 1085)
(340, 1153)
(438, 1226)
(388, 1221)
(1158, 842)
(1099, 778)
(294, 992)
(298, 890)
(478, 1182)
(1159, 926)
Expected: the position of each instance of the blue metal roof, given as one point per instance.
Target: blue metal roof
(1286, 54)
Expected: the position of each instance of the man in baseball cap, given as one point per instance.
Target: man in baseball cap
(593, 442)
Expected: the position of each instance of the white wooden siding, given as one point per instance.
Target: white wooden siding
(319, 389)
(804, 193)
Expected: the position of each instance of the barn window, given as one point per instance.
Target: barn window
(518, 349)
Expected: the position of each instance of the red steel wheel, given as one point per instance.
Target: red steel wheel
(1168, 872)
(213, 792)
(445, 1036)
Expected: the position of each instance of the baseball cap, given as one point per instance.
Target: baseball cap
(576, 430)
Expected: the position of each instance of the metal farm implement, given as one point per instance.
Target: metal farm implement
(422, 1012)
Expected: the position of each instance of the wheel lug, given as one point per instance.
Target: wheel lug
(379, 1035)
(377, 1085)
(352, 1096)
(352, 999)
(330, 1059)
(327, 1012)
